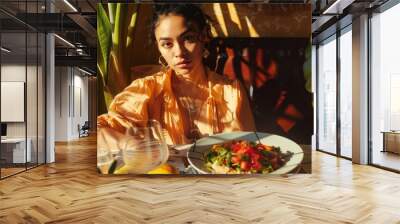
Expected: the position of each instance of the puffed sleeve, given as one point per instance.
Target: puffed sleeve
(127, 109)
(243, 111)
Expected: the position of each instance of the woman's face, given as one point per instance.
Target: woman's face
(180, 45)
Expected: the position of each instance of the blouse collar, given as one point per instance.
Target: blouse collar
(168, 81)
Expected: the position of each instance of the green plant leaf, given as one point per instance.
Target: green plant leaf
(117, 23)
(108, 98)
(115, 34)
(104, 33)
(119, 60)
(101, 102)
(112, 8)
(307, 68)
(131, 28)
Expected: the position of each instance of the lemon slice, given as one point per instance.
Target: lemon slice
(164, 169)
(124, 169)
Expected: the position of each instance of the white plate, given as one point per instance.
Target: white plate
(196, 158)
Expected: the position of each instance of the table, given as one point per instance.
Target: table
(178, 159)
(13, 150)
(391, 141)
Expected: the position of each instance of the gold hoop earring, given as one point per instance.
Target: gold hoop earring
(160, 61)
(206, 53)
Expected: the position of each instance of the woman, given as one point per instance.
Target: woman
(188, 99)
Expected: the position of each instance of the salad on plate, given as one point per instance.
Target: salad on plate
(244, 157)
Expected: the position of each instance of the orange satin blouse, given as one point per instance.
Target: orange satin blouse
(226, 109)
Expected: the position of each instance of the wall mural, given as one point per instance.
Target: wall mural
(204, 88)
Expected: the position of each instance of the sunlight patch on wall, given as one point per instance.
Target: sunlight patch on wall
(252, 31)
(220, 17)
(234, 15)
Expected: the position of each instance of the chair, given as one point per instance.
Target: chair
(84, 130)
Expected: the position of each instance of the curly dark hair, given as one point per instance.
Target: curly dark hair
(194, 17)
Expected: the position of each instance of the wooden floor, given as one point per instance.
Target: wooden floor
(387, 159)
(5, 172)
(70, 191)
(10, 171)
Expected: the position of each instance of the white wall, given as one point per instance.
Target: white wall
(34, 125)
(13, 73)
(71, 102)
(81, 104)
(314, 90)
(9, 73)
(61, 103)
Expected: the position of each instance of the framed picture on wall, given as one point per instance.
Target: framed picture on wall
(12, 101)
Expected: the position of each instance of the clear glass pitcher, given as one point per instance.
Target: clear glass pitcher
(145, 147)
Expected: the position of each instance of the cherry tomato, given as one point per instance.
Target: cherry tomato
(256, 165)
(244, 150)
(255, 156)
(250, 150)
(244, 165)
(235, 159)
(236, 147)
